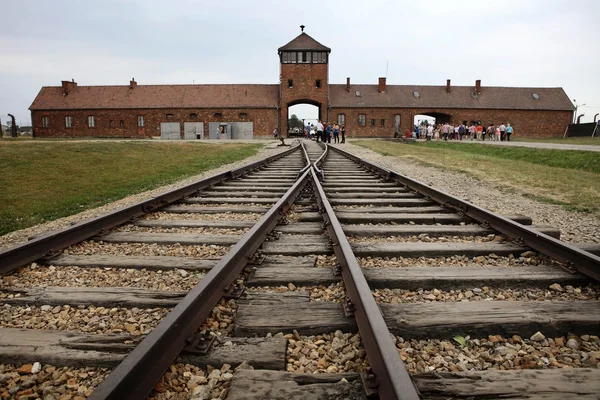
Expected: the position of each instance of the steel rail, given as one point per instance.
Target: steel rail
(393, 379)
(51, 242)
(307, 158)
(583, 261)
(138, 373)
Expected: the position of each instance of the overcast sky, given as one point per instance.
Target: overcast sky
(530, 43)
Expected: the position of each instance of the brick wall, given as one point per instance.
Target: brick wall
(265, 120)
(525, 123)
(304, 90)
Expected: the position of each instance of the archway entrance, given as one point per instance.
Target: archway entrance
(432, 118)
(300, 114)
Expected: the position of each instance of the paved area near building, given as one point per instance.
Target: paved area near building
(539, 145)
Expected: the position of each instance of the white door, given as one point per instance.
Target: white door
(170, 130)
(193, 130)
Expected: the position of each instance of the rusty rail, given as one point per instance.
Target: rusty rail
(392, 378)
(583, 261)
(49, 243)
(137, 374)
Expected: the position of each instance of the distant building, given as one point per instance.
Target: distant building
(251, 111)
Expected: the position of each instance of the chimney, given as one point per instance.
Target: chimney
(68, 86)
(447, 85)
(478, 86)
(132, 83)
(381, 88)
(348, 84)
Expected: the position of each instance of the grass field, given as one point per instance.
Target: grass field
(569, 140)
(565, 177)
(41, 181)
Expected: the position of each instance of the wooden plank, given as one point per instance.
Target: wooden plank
(251, 194)
(446, 249)
(183, 209)
(419, 201)
(135, 262)
(168, 238)
(447, 278)
(260, 313)
(397, 210)
(549, 384)
(229, 188)
(593, 248)
(334, 184)
(431, 230)
(261, 384)
(287, 238)
(300, 228)
(366, 189)
(307, 318)
(299, 276)
(180, 223)
(404, 218)
(258, 184)
(229, 200)
(301, 261)
(373, 196)
(74, 349)
(483, 318)
(296, 249)
(97, 296)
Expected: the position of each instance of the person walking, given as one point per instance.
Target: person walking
(509, 131)
(319, 128)
(480, 132)
(328, 134)
(502, 129)
(336, 133)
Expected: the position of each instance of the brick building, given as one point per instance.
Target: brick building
(253, 111)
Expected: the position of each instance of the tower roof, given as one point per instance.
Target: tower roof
(304, 42)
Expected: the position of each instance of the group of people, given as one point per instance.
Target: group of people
(446, 131)
(322, 131)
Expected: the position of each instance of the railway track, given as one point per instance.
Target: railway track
(359, 285)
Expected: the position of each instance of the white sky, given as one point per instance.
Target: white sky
(533, 43)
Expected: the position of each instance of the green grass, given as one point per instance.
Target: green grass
(41, 181)
(564, 177)
(570, 159)
(569, 140)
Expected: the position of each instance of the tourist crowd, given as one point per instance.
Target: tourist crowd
(447, 131)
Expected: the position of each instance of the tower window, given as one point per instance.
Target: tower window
(372, 122)
(218, 115)
(169, 116)
(290, 83)
(193, 116)
(318, 83)
(382, 123)
(243, 115)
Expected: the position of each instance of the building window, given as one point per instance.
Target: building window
(140, 120)
(112, 123)
(122, 123)
(243, 115)
(68, 121)
(362, 119)
(318, 58)
(290, 83)
(397, 123)
(218, 115)
(169, 116)
(382, 123)
(45, 122)
(341, 119)
(318, 83)
(193, 116)
(372, 122)
(91, 121)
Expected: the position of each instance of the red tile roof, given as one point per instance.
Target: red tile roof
(304, 42)
(403, 96)
(157, 96)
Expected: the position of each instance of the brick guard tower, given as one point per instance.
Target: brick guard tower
(303, 76)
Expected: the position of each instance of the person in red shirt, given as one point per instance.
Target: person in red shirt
(479, 131)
